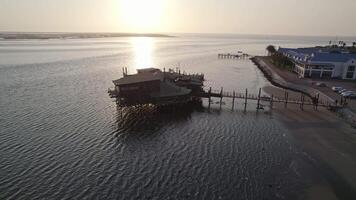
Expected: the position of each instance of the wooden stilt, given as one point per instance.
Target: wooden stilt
(271, 102)
(301, 99)
(209, 97)
(221, 96)
(286, 100)
(245, 100)
(259, 99)
(233, 100)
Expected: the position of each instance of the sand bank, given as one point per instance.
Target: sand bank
(328, 146)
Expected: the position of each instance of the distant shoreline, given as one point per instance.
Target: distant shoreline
(47, 36)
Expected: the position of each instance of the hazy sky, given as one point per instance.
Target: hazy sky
(291, 17)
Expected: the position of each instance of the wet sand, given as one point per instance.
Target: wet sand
(328, 148)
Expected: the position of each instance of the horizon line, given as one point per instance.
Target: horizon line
(170, 33)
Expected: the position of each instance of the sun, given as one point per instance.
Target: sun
(141, 15)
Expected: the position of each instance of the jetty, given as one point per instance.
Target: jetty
(153, 86)
(239, 55)
(304, 100)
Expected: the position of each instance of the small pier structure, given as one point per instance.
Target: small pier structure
(153, 86)
(239, 55)
(314, 101)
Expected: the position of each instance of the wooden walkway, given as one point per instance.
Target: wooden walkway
(232, 56)
(302, 101)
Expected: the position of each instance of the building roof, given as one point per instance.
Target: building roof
(317, 55)
(332, 57)
(148, 70)
(168, 89)
(139, 78)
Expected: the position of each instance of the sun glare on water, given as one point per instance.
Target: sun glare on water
(141, 15)
(143, 48)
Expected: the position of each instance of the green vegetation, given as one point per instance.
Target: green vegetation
(278, 59)
(352, 49)
(282, 62)
(271, 50)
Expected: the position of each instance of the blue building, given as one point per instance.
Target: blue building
(322, 62)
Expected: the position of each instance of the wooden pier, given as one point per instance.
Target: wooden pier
(161, 88)
(315, 101)
(233, 56)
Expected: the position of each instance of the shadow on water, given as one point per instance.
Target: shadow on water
(147, 120)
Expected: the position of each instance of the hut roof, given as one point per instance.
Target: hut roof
(148, 70)
(138, 78)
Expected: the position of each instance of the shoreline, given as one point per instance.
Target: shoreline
(328, 148)
(280, 79)
(287, 80)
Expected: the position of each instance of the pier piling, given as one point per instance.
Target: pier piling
(221, 96)
(245, 100)
(259, 99)
(233, 100)
(209, 97)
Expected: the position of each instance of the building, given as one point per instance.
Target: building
(138, 87)
(322, 62)
(152, 86)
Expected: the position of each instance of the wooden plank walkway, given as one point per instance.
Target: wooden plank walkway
(232, 56)
(314, 101)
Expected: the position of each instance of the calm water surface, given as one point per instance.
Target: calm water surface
(62, 137)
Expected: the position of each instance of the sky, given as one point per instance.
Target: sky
(275, 17)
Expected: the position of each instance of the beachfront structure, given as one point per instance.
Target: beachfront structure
(322, 62)
(152, 86)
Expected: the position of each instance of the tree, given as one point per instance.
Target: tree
(282, 61)
(271, 50)
(353, 44)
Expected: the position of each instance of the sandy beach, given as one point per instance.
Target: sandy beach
(328, 146)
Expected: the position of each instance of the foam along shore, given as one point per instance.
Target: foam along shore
(328, 149)
(45, 36)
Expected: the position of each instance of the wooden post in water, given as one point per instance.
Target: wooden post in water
(164, 74)
(245, 100)
(209, 97)
(317, 102)
(286, 99)
(301, 99)
(258, 99)
(341, 102)
(302, 105)
(233, 100)
(314, 102)
(271, 102)
(221, 96)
